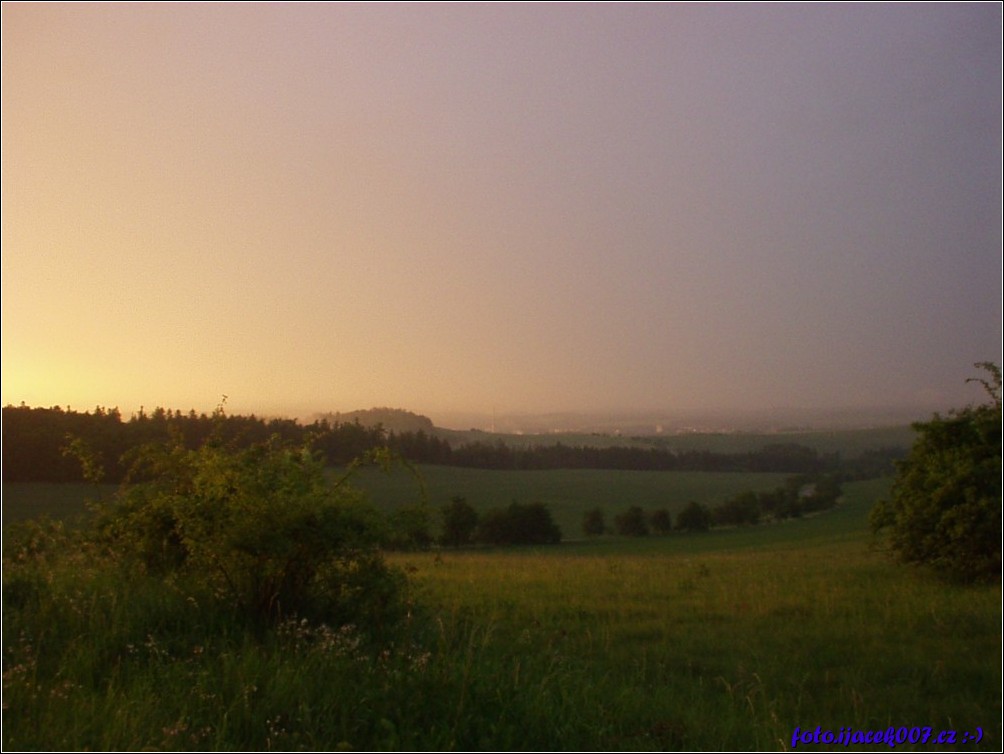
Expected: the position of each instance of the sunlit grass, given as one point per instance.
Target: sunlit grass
(801, 631)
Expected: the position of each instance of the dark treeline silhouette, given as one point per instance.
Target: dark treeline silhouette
(35, 442)
(777, 458)
(788, 458)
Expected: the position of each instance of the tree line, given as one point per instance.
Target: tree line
(35, 441)
(801, 494)
(518, 524)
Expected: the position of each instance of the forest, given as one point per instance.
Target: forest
(37, 443)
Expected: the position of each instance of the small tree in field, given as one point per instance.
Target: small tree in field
(519, 524)
(631, 523)
(945, 507)
(593, 523)
(460, 521)
(661, 521)
(741, 510)
(409, 528)
(695, 517)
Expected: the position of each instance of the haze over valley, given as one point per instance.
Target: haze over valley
(588, 217)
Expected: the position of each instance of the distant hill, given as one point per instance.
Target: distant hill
(392, 419)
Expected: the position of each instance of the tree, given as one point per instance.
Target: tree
(460, 520)
(661, 521)
(695, 517)
(593, 523)
(741, 510)
(945, 507)
(631, 523)
(519, 524)
(409, 528)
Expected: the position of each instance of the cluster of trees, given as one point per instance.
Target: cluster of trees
(789, 458)
(391, 419)
(945, 508)
(773, 458)
(802, 493)
(633, 522)
(410, 527)
(34, 441)
(517, 524)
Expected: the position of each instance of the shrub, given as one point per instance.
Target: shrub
(661, 521)
(260, 531)
(593, 523)
(945, 506)
(519, 524)
(741, 510)
(631, 523)
(826, 490)
(773, 503)
(460, 521)
(409, 528)
(695, 517)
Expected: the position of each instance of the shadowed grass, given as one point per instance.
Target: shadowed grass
(728, 640)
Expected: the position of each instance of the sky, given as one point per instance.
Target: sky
(467, 208)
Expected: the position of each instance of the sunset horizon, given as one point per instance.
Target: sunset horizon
(455, 209)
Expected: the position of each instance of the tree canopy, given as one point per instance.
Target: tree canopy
(945, 506)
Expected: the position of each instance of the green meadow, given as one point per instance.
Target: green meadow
(568, 494)
(726, 640)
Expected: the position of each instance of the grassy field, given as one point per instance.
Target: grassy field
(735, 638)
(568, 494)
(726, 640)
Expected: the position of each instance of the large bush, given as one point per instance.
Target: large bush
(741, 510)
(259, 530)
(631, 523)
(519, 524)
(593, 523)
(695, 517)
(661, 521)
(460, 521)
(945, 507)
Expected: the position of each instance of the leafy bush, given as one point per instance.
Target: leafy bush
(460, 521)
(661, 521)
(945, 507)
(776, 503)
(631, 523)
(593, 523)
(695, 517)
(741, 510)
(29, 549)
(519, 524)
(409, 528)
(259, 530)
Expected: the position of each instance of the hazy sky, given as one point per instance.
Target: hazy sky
(531, 207)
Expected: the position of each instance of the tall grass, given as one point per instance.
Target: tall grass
(724, 641)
